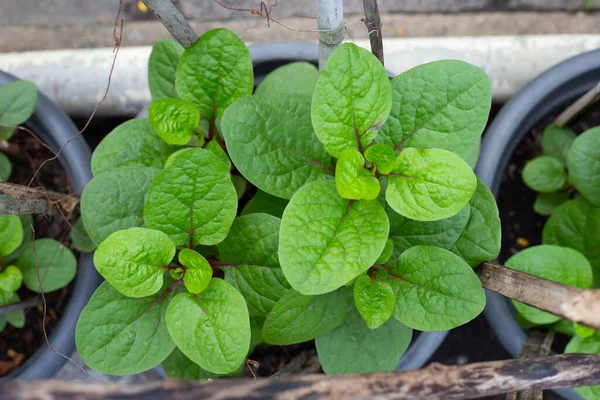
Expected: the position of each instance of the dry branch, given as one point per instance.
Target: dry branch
(26, 207)
(173, 20)
(67, 202)
(373, 23)
(583, 102)
(22, 305)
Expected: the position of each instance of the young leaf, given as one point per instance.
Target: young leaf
(387, 253)
(272, 143)
(11, 234)
(174, 120)
(352, 180)
(431, 184)
(178, 366)
(583, 331)
(193, 200)
(114, 200)
(16, 318)
(211, 328)
(297, 77)
(118, 335)
(556, 142)
(214, 72)
(326, 240)
(10, 279)
(443, 105)
(133, 260)
(5, 167)
(544, 174)
(546, 203)
(55, 264)
(583, 165)
(133, 143)
(297, 318)
(374, 300)
(162, 65)
(382, 156)
(265, 203)
(352, 100)
(589, 345)
(249, 256)
(80, 238)
(353, 348)
(559, 264)
(435, 289)
(198, 273)
(17, 103)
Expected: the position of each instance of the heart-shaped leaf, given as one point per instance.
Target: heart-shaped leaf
(556, 142)
(198, 273)
(51, 263)
(382, 156)
(17, 103)
(374, 300)
(174, 120)
(544, 174)
(352, 180)
(10, 279)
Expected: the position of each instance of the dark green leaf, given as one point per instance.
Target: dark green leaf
(297, 77)
(556, 142)
(583, 165)
(80, 238)
(52, 264)
(265, 203)
(17, 103)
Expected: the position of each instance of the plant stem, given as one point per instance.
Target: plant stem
(373, 23)
(173, 20)
(22, 305)
(330, 23)
(583, 102)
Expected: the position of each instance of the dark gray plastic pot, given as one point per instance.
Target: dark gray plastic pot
(555, 88)
(55, 128)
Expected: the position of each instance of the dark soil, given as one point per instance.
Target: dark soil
(16, 345)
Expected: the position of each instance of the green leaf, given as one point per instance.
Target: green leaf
(431, 184)
(544, 174)
(5, 167)
(546, 203)
(353, 348)
(118, 335)
(178, 366)
(297, 77)
(583, 165)
(443, 105)
(174, 120)
(590, 345)
(134, 260)
(265, 203)
(326, 240)
(11, 234)
(217, 150)
(297, 318)
(193, 200)
(80, 238)
(435, 289)
(198, 273)
(387, 253)
(352, 180)
(352, 99)
(55, 264)
(17, 103)
(374, 300)
(211, 328)
(114, 200)
(16, 318)
(583, 331)
(556, 142)
(256, 338)
(11, 279)
(162, 65)
(133, 143)
(382, 156)
(2, 322)
(214, 72)
(249, 256)
(271, 141)
(240, 185)
(558, 264)
(473, 155)
(576, 224)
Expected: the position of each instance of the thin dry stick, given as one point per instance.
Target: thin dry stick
(434, 382)
(583, 102)
(173, 20)
(66, 202)
(373, 23)
(25, 207)
(22, 305)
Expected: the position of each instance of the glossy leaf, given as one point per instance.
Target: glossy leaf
(17, 103)
(556, 142)
(544, 174)
(218, 151)
(583, 165)
(382, 155)
(298, 77)
(80, 238)
(10, 279)
(198, 273)
(52, 264)
(11, 234)
(162, 65)
(265, 203)
(374, 300)
(174, 120)
(352, 180)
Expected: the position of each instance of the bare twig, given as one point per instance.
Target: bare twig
(24, 207)
(330, 23)
(583, 102)
(173, 20)
(67, 202)
(373, 23)
(22, 305)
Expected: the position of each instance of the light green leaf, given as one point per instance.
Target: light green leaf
(265, 203)
(11, 279)
(297, 318)
(352, 180)
(17, 103)
(272, 143)
(198, 273)
(297, 77)
(583, 331)
(16, 318)
(11, 234)
(211, 328)
(214, 72)
(249, 256)
(556, 142)
(559, 264)
(544, 174)
(162, 65)
(473, 155)
(435, 289)
(387, 253)
(5, 167)
(589, 345)
(374, 300)
(218, 151)
(382, 156)
(134, 260)
(193, 200)
(431, 184)
(352, 99)
(133, 143)
(443, 105)
(353, 348)
(326, 240)
(80, 238)
(55, 264)
(583, 165)
(546, 203)
(174, 120)
(178, 366)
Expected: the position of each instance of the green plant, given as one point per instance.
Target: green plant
(354, 252)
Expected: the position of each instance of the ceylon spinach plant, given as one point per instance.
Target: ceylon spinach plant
(366, 223)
